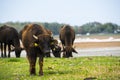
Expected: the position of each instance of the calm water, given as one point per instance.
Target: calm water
(114, 51)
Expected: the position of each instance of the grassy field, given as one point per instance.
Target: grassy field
(83, 68)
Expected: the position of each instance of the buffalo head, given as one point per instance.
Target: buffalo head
(56, 49)
(17, 51)
(42, 42)
(67, 51)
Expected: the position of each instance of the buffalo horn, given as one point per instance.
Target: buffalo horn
(35, 37)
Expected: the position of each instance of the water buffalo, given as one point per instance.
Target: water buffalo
(9, 36)
(67, 37)
(36, 42)
(56, 49)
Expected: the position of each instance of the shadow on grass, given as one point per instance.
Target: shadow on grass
(90, 78)
(14, 60)
(57, 72)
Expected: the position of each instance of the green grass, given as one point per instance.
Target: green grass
(98, 68)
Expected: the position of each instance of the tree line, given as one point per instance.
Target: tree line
(91, 27)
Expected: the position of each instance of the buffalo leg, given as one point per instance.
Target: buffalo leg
(5, 50)
(70, 55)
(64, 51)
(64, 54)
(41, 65)
(1, 50)
(47, 55)
(9, 49)
(32, 62)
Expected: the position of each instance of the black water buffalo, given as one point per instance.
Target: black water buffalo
(56, 49)
(36, 42)
(9, 36)
(67, 37)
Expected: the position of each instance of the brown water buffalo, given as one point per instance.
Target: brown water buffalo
(36, 42)
(56, 49)
(9, 36)
(67, 37)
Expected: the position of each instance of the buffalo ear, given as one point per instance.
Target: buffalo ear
(74, 50)
(36, 44)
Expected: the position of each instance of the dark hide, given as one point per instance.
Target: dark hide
(36, 42)
(56, 49)
(9, 36)
(67, 37)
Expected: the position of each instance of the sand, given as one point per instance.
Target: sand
(96, 44)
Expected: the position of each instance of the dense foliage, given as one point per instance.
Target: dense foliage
(96, 27)
(92, 27)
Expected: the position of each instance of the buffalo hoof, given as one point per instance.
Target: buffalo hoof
(32, 74)
(4, 56)
(8, 56)
(41, 74)
(1, 55)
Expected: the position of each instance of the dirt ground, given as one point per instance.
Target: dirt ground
(96, 44)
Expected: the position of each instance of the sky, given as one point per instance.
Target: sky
(73, 12)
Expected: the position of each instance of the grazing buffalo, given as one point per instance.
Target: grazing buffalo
(56, 49)
(36, 42)
(67, 37)
(9, 36)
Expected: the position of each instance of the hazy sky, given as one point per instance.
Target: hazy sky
(73, 12)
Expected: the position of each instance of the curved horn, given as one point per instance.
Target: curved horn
(74, 50)
(35, 37)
